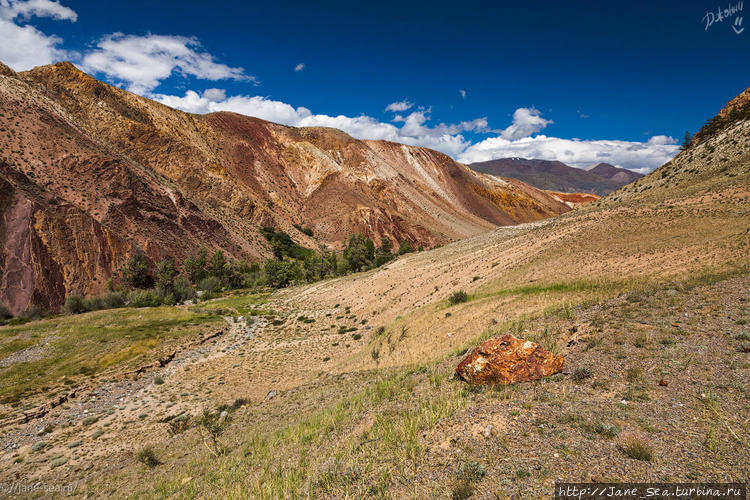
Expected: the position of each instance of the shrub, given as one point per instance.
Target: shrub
(31, 313)
(4, 312)
(458, 297)
(74, 305)
(147, 456)
(212, 284)
(112, 300)
(637, 448)
(144, 298)
(183, 290)
(281, 273)
(404, 248)
(135, 272)
(582, 373)
(359, 253)
(158, 380)
(195, 267)
(165, 275)
(211, 426)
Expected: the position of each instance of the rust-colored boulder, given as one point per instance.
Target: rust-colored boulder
(506, 360)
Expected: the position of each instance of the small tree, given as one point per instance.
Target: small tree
(281, 273)
(74, 305)
(135, 272)
(218, 264)
(384, 252)
(195, 267)
(405, 247)
(165, 275)
(359, 254)
(686, 141)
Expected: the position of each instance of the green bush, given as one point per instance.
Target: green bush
(195, 267)
(281, 273)
(112, 300)
(212, 284)
(4, 312)
(582, 373)
(183, 290)
(359, 254)
(74, 305)
(458, 297)
(405, 247)
(31, 313)
(144, 298)
(638, 449)
(165, 275)
(135, 273)
(147, 456)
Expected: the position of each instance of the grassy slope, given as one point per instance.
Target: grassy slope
(622, 272)
(70, 348)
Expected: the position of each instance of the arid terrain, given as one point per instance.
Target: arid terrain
(344, 388)
(91, 174)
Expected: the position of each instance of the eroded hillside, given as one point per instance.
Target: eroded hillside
(93, 173)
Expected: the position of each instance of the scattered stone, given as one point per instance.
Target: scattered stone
(271, 394)
(663, 383)
(507, 360)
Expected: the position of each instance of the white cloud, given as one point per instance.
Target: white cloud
(661, 140)
(447, 138)
(23, 46)
(639, 156)
(462, 93)
(299, 67)
(399, 106)
(526, 121)
(443, 137)
(142, 62)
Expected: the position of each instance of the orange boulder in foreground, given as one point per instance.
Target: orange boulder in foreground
(506, 360)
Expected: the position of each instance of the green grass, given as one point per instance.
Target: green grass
(90, 343)
(242, 302)
(305, 453)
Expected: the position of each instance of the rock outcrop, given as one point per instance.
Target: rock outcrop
(507, 360)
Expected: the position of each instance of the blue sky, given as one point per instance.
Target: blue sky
(576, 81)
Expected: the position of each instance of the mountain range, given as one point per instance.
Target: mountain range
(600, 179)
(91, 174)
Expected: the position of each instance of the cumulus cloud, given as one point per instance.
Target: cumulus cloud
(415, 130)
(399, 106)
(299, 67)
(639, 156)
(23, 46)
(142, 62)
(526, 121)
(462, 93)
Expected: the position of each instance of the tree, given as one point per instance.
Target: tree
(195, 267)
(686, 141)
(281, 273)
(217, 266)
(359, 254)
(405, 247)
(384, 252)
(165, 275)
(135, 272)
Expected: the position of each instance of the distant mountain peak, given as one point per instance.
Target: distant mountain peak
(600, 178)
